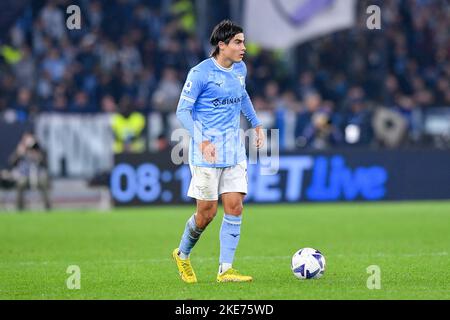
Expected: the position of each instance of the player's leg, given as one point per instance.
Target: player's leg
(232, 187)
(230, 231)
(204, 188)
(196, 224)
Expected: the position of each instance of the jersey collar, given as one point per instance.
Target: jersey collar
(220, 67)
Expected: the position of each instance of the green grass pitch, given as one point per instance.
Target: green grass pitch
(126, 254)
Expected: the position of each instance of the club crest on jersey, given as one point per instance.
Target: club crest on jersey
(242, 80)
(187, 87)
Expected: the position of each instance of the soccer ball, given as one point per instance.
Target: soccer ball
(308, 263)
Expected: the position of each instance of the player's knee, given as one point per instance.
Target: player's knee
(204, 219)
(210, 215)
(206, 215)
(235, 209)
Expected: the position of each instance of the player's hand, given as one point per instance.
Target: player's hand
(260, 137)
(208, 150)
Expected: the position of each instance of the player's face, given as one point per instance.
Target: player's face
(235, 50)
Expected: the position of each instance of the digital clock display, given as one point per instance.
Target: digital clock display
(145, 183)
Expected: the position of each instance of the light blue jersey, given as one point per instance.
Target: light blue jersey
(210, 105)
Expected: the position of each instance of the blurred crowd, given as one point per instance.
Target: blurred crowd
(133, 56)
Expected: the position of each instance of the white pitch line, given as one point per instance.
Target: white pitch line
(205, 259)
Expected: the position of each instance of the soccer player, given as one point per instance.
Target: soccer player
(210, 105)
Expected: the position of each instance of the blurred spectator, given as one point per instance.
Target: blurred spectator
(407, 107)
(272, 95)
(108, 104)
(289, 102)
(314, 128)
(54, 65)
(95, 14)
(193, 53)
(128, 127)
(44, 87)
(129, 56)
(53, 20)
(81, 103)
(165, 98)
(260, 104)
(59, 103)
(30, 171)
(443, 91)
(145, 88)
(320, 133)
(305, 84)
(312, 104)
(357, 120)
(109, 56)
(162, 143)
(25, 70)
(23, 104)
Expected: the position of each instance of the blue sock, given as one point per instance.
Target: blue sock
(229, 237)
(190, 236)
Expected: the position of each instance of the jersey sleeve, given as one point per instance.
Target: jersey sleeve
(247, 106)
(192, 89)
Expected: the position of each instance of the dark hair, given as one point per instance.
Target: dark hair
(224, 31)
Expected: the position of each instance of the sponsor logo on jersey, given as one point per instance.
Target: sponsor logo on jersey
(223, 102)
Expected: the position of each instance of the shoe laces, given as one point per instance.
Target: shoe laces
(187, 268)
(233, 271)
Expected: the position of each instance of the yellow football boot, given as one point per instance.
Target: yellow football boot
(232, 275)
(184, 268)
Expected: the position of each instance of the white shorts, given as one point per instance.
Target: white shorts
(209, 183)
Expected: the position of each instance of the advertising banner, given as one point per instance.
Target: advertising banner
(308, 177)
